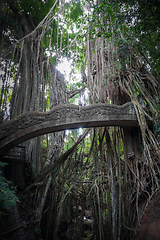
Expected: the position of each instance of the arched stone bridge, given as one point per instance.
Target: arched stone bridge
(62, 117)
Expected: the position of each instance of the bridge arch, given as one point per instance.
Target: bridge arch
(62, 117)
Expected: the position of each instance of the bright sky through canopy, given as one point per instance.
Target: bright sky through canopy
(65, 68)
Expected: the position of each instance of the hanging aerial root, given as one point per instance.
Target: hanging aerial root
(60, 207)
(43, 198)
(149, 140)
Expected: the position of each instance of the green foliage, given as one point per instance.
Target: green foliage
(64, 29)
(76, 10)
(143, 18)
(44, 143)
(137, 21)
(7, 193)
(36, 9)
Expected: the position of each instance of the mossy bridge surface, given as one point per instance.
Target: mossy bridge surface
(62, 117)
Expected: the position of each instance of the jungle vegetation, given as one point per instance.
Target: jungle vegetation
(114, 45)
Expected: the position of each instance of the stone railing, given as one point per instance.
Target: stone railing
(62, 117)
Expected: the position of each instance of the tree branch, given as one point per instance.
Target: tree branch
(74, 92)
(63, 157)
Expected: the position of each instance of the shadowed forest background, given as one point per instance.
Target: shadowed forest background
(96, 183)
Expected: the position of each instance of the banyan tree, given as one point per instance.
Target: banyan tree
(93, 183)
